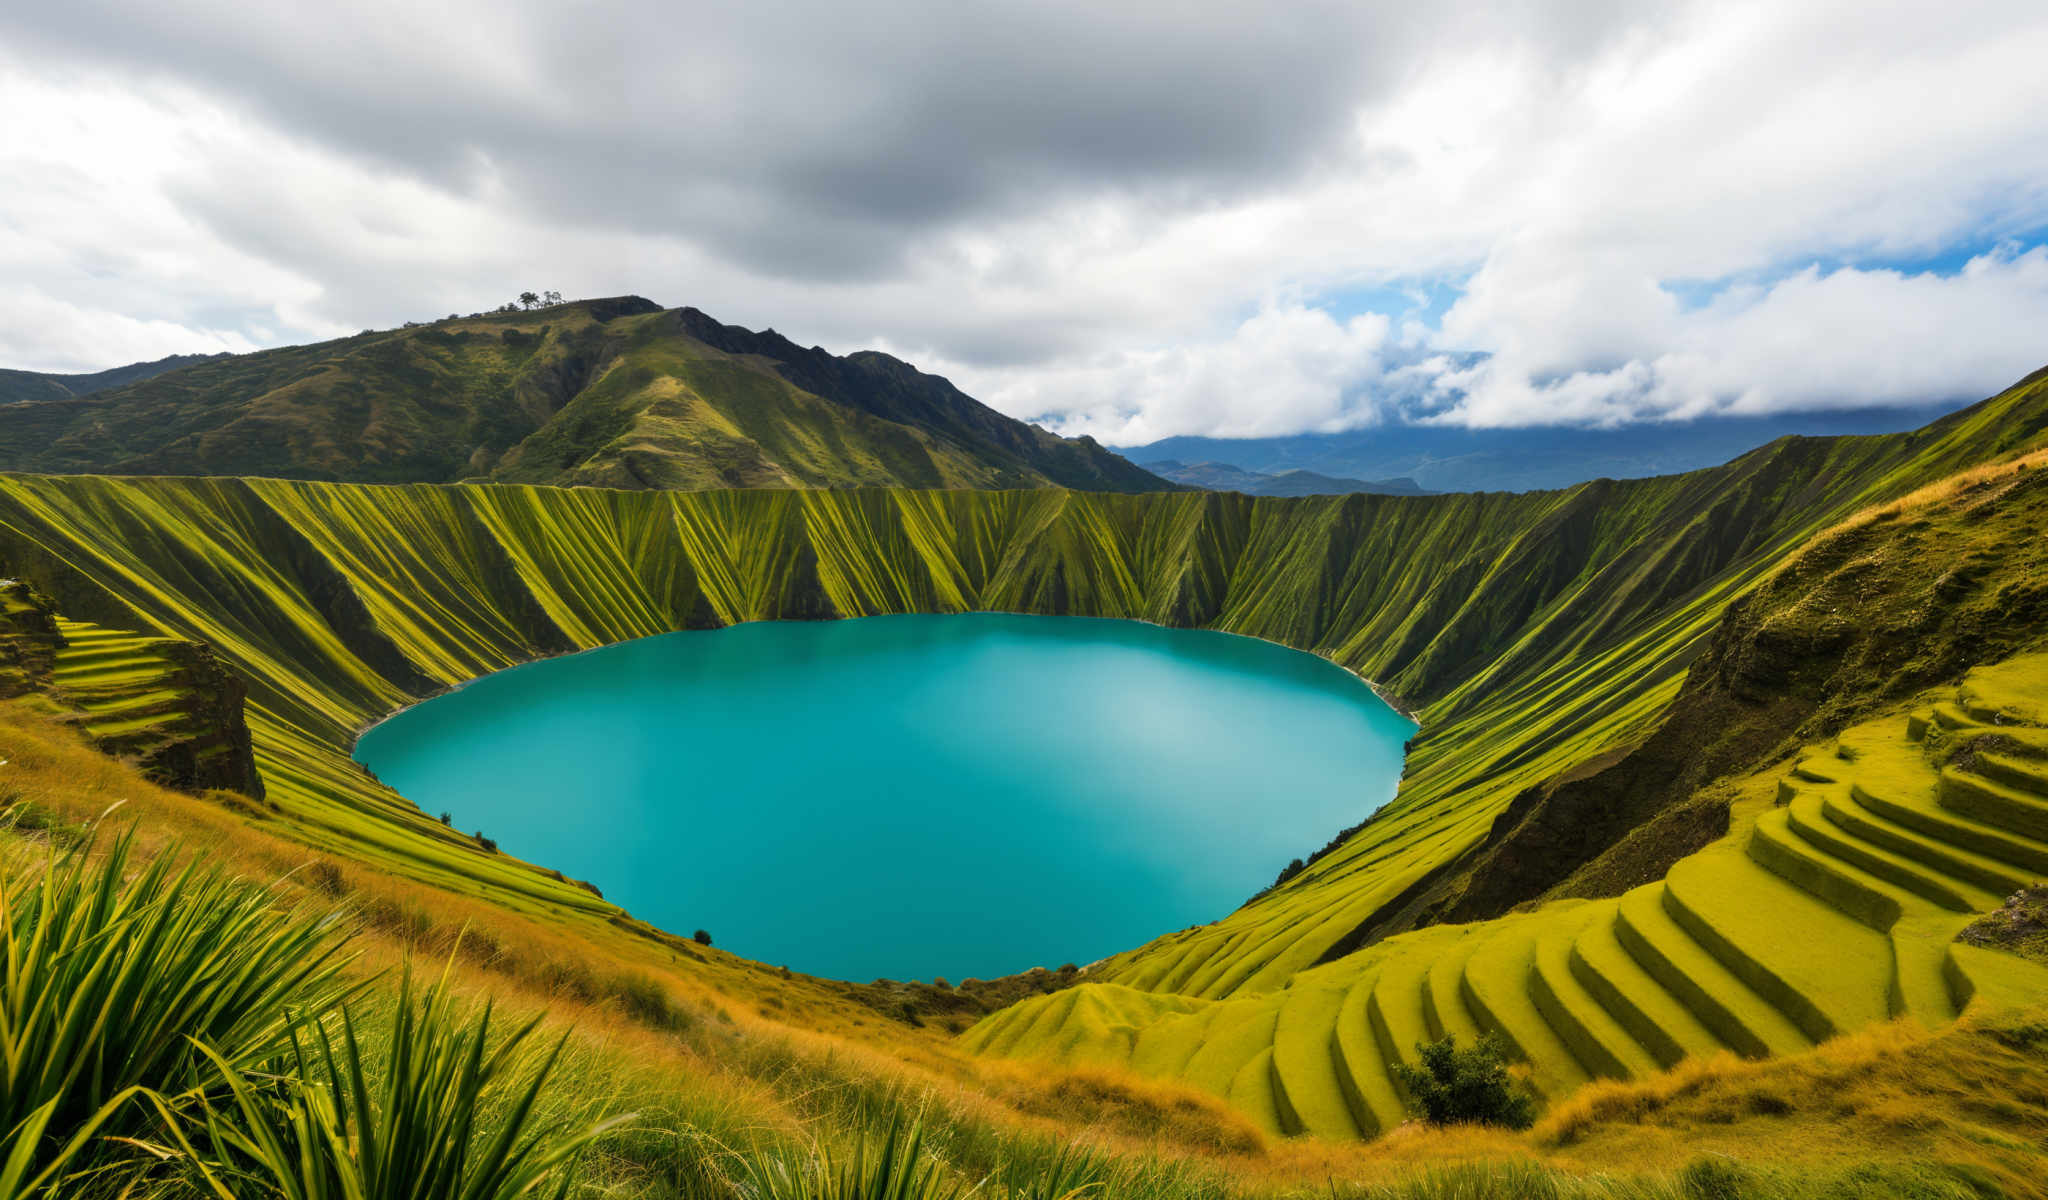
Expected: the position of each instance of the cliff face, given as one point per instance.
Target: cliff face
(165, 702)
(1900, 599)
(210, 746)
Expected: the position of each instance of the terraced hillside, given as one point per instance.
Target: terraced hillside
(123, 682)
(614, 393)
(1542, 638)
(162, 702)
(1834, 903)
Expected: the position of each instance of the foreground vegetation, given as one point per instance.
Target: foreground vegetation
(306, 1070)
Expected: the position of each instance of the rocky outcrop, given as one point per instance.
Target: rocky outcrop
(28, 639)
(166, 703)
(209, 748)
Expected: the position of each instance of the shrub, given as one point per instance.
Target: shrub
(570, 977)
(702, 937)
(402, 920)
(1466, 1087)
(324, 876)
(489, 846)
(29, 818)
(643, 999)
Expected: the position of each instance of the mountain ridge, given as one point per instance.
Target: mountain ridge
(1224, 477)
(615, 392)
(18, 386)
(1456, 459)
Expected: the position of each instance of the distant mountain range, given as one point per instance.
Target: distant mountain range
(615, 393)
(1451, 459)
(1223, 477)
(18, 386)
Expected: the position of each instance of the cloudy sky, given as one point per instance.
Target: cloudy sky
(1128, 219)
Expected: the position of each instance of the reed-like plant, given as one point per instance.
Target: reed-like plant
(1070, 1172)
(892, 1167)
(443, 1109)
(113, 977)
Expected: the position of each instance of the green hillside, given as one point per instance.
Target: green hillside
(1543, 640)
(1834, 904)
(612, 393)
(18, 386)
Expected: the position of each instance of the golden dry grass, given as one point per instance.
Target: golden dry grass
(1977, 479)
(1976, 1093)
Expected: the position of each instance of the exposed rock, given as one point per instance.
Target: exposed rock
(211, 748)
(201, 743)
(28, 639)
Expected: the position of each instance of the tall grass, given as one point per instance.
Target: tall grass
(1521, 1181)
(451, 1118)
(166, 1029)
(891, 1167)
(121, 982)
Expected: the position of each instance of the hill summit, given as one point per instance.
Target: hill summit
(615, 392)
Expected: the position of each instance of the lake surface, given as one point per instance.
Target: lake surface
(910, 796)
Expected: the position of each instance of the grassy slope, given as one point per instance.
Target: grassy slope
(16, 386)
(1528, 630)
(22, 386)
(732, 1058)
(614, 393)
(1830, 907)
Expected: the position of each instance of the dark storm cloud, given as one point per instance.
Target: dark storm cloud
(800, 139)
(1134, 219)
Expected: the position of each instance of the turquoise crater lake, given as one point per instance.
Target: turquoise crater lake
(910, 796)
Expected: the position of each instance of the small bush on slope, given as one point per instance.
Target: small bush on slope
(2020, 925)
(1471, 1086)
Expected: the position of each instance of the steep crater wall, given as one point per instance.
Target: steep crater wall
(1531, 632)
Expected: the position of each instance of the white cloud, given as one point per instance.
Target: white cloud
(61, 336)
(1812, 340)
(1286, 369)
